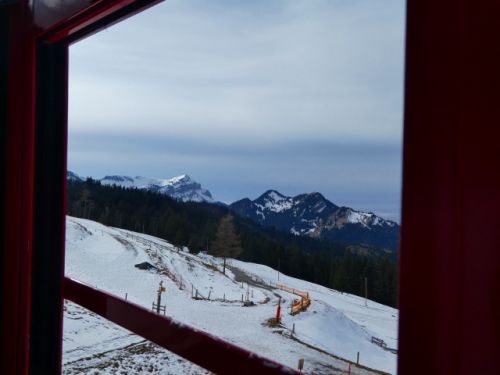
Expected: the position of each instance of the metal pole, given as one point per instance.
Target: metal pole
(366, 291)
(278, 269)
(159, 298)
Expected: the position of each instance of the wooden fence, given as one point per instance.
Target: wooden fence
(297, 305)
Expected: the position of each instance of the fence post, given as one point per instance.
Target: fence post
(301, 364)
(278, 311)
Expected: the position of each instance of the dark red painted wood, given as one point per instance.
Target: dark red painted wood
(18, 220)
(196, 346)
(450, 271)
(49, 197)
(118, 10)
(18, 197)
(46, 15)
(450, 250)
(62, 244)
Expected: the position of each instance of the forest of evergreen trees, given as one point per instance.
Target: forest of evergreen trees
(194, 225)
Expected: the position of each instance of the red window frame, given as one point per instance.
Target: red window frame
(449, 256)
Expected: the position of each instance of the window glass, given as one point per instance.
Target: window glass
(248, 157)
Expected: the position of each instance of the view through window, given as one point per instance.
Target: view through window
(237, 167)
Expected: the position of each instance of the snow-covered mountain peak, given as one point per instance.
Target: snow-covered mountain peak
(179, 180)
(314, 215)
(186, 189)
(363, 218)
(118, 178)
(366, 219)
(182, 187)
(273, 195)
(315, 201)
(274, 201)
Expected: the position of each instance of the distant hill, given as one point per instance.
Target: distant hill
(315, 216)
(71, 176)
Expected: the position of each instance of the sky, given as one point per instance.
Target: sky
(245, 96)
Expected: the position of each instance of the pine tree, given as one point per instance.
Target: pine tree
(227, 243)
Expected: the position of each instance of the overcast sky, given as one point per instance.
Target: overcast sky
(246, 96)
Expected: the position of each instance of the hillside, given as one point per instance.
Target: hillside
(193, 225)
(335, 326)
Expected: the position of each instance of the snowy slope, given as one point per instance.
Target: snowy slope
(335, 325)
(183, 187)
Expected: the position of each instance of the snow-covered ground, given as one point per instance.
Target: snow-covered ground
(335, 327)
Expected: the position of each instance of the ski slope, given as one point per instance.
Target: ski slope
(333, 329)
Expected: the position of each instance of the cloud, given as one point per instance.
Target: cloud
(252, 80)
(347, 174)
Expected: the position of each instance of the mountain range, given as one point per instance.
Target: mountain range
(315, 216)
(309, 215)
(182, 188)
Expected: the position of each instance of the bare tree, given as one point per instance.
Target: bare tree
(227, 243)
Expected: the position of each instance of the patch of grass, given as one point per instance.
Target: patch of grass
(272, 323)
(266, 300)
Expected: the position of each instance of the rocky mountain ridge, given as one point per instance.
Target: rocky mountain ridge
(304, 215)
(315, 216)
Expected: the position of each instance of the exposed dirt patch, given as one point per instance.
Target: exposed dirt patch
(241, 276)
(82, 228)
(272, 323)
(139, 358)
(126, 244)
